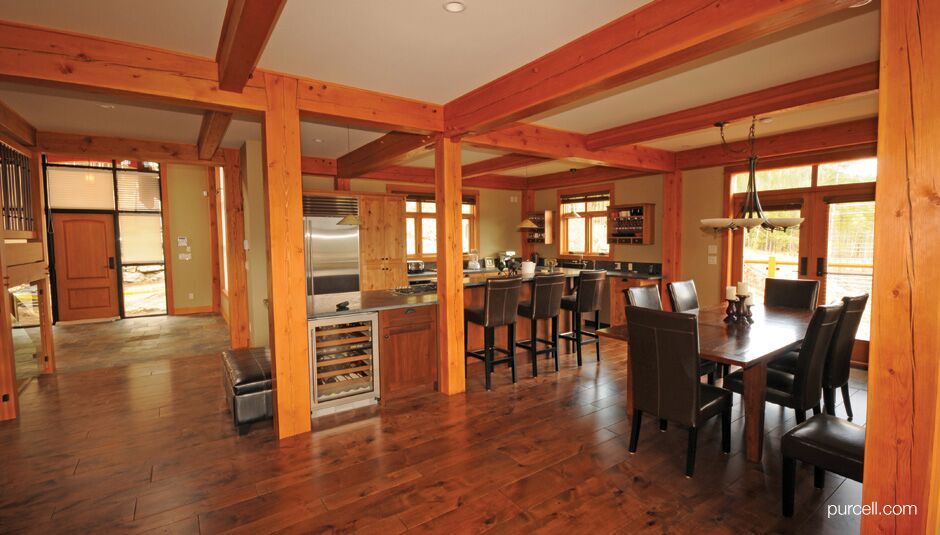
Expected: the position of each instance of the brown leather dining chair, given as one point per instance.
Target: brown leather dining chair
(545, 304)
(644, 296)
(501, 301)
(585, 300)
(839, 357)
(664, 364)
(682, 295)
(801, 389)
(799, 293)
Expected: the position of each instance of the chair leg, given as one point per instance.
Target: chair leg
(635, 429)
(597, 340)
(555, 340)
(829, 400)
(816, 410)
(663, 424)
(845, 401)
(800, 416)
(488, 354)
(690, 456)
(789, 485)
(726, 430)
(511, 346)
(577, 335)
(819, 477)
(533, 329)
(710, 378)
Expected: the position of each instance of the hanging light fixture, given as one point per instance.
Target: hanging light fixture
(751, 214)
(527, 224)
(351, 220)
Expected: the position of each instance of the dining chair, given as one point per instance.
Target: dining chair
(664, 364)
(644, 296)
(801, 389)
(682, 295)
(586, 299)
(798, 293)
(839, 357)
(501, 301)
(545, 304)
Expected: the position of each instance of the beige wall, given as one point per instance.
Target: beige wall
(701, 198)
(252, 164)
(189, 217)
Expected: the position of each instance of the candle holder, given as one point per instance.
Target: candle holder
(730, 311)
(739, 311)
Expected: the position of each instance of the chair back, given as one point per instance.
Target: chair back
(547, 290)
(807, 378)
(590, 290)
(501, 301)
(682, 295)
(644, 297)
(798, 293)
(664, 363)
(836, 372)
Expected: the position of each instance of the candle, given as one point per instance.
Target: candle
(743, 288)
(730, 294)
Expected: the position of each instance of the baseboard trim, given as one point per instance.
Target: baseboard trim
(193, 310)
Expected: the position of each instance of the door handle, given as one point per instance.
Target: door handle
(110, 262)
(803, 263)
(820, 266)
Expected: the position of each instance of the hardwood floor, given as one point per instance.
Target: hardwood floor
(150, 447)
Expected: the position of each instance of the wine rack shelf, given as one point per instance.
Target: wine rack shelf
(631, 224)
(344, 363)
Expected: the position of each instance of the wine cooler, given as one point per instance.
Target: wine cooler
(344, 364)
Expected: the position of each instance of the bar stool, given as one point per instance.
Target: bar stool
(501, 301)
(585, 300)
(547, 290)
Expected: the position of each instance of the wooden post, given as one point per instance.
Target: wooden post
(214, 260)
(447, 180)
(287, 305)
(672, 231)
(235, 233)
(46, 340)
(901, 450)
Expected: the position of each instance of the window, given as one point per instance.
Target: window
(584, 223)
(850, 172)
(421, 224)
(774, 179)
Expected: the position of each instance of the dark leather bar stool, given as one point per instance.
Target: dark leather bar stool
(664, 364)
(791, 293)
(800, 391)
(547, 291)
(501, 302)
(829, 444)
(585, 300)
(682, 295)
(644, 297)
(838, 360)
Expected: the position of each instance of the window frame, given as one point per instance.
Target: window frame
(562, 229)
(473, 217)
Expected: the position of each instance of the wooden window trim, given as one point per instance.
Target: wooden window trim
(474, 218)
(560, 221)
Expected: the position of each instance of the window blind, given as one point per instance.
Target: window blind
(429, 197)
(138, 192)
(599, 196)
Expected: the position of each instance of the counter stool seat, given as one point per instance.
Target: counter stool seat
(586, 299)
(545, 304)
(501, 301)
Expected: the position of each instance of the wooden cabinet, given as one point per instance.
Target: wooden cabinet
(382, 242)
(618, 301)
(407, 350)
(631, 224)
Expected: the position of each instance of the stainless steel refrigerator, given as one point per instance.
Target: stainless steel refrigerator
(331, 249)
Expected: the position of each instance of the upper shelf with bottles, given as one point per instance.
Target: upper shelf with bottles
(631, 224)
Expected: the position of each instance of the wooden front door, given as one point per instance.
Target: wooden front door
(85, 270)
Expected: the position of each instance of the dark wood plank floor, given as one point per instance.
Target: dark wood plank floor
(150, 447)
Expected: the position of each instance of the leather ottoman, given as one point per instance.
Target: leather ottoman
(246, 374)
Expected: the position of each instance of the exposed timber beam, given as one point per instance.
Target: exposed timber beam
(119, 147)
(579, 177)
(319, 100)
(399, 173)
(388, 150)
(646, 41)
(15, 126)
(310, 165)
(214, 125)
(560, 144)
(843, 83)
(500, 163)
(495, 181)
(811, 140)
(247, 27)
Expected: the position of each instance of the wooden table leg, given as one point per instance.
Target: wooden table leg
(755, 393)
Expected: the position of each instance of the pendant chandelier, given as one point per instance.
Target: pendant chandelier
(751, 214)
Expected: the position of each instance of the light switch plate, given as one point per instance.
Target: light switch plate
(712, 249)
(712, 259)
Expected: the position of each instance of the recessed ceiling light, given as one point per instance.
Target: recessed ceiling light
(458, 7)
(318, 140)
(860, 3)
(107, 106)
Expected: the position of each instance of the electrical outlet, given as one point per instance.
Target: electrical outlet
(629, 266)
(617, 266)
(712, 259)
(191, 296)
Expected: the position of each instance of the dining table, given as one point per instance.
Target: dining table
(751, 346)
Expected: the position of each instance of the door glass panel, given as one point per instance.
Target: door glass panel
(850, 254)
(88, 189)
(850, 172)
(138, 191)
(771, 254)
(144, 290)
(141, 238)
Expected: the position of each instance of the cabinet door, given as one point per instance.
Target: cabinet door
(408, 355)
(372, 234)
(394, 222)
(373, 275)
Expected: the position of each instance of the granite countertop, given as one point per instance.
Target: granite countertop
(324, 306)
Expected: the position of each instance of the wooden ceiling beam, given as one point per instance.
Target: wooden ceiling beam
(15, 126)
(319, 100)
(214, 125)
(819, 139)
(118, 147)
(500, 163)
(842, 83)
(400, 173)
(580, 177)
(310, 165)
(248, 25)
(390, 149)
(560, 144)
(495, 181)
(649, 40)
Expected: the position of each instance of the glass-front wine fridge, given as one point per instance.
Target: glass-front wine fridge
(344, 363)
